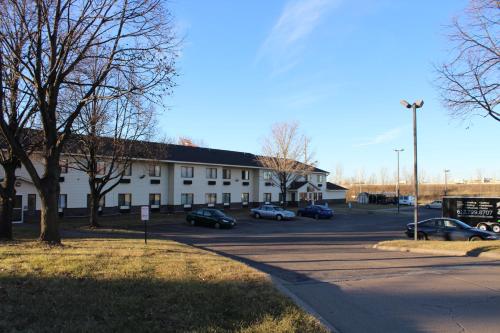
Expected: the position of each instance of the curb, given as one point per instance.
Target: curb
(436, 252)
(300, 303)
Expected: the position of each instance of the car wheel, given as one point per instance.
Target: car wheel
(279, 217)
(496, 228)
(475, 238)
(482, 227)
(192, 222)
(421, 236)
(257, 215)
(316, 216)
(217, 225)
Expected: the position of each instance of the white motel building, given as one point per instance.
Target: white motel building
(181, 178)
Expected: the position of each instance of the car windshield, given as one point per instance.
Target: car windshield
(218, 213)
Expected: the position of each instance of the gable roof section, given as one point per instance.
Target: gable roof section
(334, 187)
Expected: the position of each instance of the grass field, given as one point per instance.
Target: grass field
(472, 248)
(121, 285)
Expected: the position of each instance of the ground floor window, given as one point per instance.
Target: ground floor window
(63, 200)
(102, 201)
(244, 197)
(187, 198)
(267, 197)
(31, 202)
(154, 200)
(226, 198)
(281, 197)
(211, 198)
(124, 200)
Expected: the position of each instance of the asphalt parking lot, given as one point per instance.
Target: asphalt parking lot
(332, 269)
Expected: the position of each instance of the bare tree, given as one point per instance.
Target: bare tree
(132, 38)
(469, 82)
(190, 142)
(384, 176)
(285, 153)
(110, 132)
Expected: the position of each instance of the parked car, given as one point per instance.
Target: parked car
(436, 204)
(448, 229)
(274, 212)
(408, 200)
(316, 211)
(210, 217)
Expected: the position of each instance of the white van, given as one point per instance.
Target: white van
(408, 200)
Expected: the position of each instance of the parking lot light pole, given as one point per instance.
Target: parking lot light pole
(446, 181)
(416, 105)
(397, 184)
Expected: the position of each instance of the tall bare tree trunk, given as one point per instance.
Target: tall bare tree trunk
(7, 195)
(94, 205)
(49, 196)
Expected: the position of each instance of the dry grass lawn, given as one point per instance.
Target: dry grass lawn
(473, 248)
(121, 285)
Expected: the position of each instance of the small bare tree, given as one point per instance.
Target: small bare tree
(469, 82)
(286, 154)
(133, 38)
(110, 132)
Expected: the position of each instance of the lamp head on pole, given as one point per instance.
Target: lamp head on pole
(405, 104)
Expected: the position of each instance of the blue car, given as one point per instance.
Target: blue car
(316, 211)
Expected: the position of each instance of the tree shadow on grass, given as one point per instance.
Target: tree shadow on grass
(61, 304)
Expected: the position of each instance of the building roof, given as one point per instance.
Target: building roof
(334, 187)
(296, 185)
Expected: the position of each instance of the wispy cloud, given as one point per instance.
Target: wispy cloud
(384, 137)
(297, 21)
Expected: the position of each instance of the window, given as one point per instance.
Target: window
(101, 168)
(31, 202)
(154, 170)
(226, 198)
(63, 201)
(102, 202)
(187, 172)
(320, 178)
(211, 173)
(245, 175)
(226, 173)
(280, 197)
(125, 200)
(267, 197)
(211, 198)
(63, 164)
(267, 175)
(127, 171)
(154, 200)
(308, 178)
(244, 197)
(187, 198)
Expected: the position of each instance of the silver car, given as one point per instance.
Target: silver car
(274, 212)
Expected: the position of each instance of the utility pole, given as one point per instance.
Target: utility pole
(397, 184)
(416, 105)
(446, 181)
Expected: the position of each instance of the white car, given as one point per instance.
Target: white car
(436, 204)
(408, 200)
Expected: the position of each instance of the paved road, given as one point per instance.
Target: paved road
(331, 267)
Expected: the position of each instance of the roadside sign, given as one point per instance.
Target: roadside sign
(144, 213)
(145, 218)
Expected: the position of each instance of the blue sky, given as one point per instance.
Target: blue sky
(337, 67)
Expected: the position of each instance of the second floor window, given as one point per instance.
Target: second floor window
(187, 172)
(267, 175)
(320, 178)
(226, 173)
(211, 173)
(63, 164)
(245, 175)
(154, 170)
(101, 168)
(127, 171)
